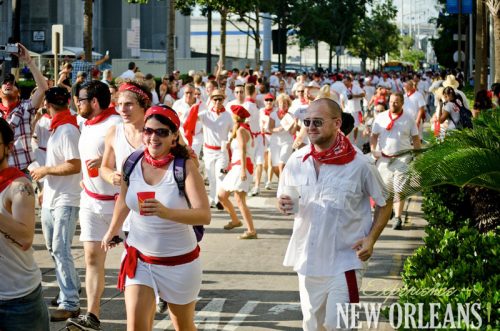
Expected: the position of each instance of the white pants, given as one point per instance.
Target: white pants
(215, 161)
(319, 297)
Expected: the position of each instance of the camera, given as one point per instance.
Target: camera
(9, 48)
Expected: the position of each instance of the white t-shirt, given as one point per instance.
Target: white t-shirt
(254, 119)
(91, 146)
(453, 111)
(59, 191)
(334, 212)
(352, 105)
(413, 103)
(399, 137)
(42, 134)
(216, 128)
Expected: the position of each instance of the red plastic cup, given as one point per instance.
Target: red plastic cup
(93, 172)
(142, 196)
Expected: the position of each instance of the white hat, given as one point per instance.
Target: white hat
(313, 84)
(451, 81)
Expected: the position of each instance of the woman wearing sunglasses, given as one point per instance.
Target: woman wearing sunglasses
(161, 257)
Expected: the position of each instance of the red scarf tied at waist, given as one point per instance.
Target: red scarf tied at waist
(61, 118)
(341, 152)
(7, 110)
(393, 119)
(102, 116)
(8, 175)
(129, 263)
(190, 123)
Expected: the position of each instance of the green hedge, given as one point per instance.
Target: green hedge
(457, 259)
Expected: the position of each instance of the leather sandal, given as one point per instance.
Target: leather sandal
(231, 225)
(248, 235)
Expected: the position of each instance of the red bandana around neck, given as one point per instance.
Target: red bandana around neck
(304, 101)
(8, 175)
(246, 126)
(61, 118)
(282, 113)
(102, 116)
(155, 162)
(268, 111)
(409, 94)
(7, 110)
(250, 100)
(341, 152)
(393, 119)
(220, 111)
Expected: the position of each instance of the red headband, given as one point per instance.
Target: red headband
(133, 88)
(164, 111)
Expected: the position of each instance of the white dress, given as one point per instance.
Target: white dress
(232, 181)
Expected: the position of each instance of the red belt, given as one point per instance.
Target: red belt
(129, 263)
(215, 148)
(100, 197)
(255, 134)
(352, 286)
(249, 165)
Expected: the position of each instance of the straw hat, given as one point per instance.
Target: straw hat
(217, 93)
(451, 81)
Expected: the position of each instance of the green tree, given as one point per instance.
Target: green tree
(494, 8)
(87, 30)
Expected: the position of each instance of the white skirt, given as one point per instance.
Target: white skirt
(232, 182)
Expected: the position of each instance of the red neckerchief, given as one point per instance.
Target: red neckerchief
(47, 116)
(7, 110)
(190, 123)
(341, 152)
(282, 113)
(155, 162)
(101, 117)
(304, 101)
(391, 123)
(245, 126)
(219, 111)
(248, 99)
(8, 175)
(61, 118)
(410, 94)
(268, 111)
(173, 95)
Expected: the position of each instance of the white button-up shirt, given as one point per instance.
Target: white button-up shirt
(334, 213)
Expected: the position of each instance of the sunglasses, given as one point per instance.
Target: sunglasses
(300, 91)
(317, 123)
(269, 100)
(162, 133)
(218, 99)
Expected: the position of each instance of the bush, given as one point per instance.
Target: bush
(458, 262)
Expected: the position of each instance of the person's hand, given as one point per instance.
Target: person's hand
(38, 173)
(285, 204)
(24, 54)
(116, 178)
(243, 175)
(377, 154)
(94, 163)
(363, 248)
(152, 207)
(107, 243)
(220, 64)
(297, 143)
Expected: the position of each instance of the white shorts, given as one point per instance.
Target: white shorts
(319, 297)
(259, 149)
(394, 173)
(178, 284)
(280, 153)
(93, 226)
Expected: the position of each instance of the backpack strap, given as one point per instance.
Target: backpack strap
(130, 163)
(180, 177)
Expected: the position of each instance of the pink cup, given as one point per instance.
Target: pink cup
(142, 196)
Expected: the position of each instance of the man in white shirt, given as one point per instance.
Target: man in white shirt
(394, 131)
(351, 103)
(98, 197)
(414, 104)
(130, 73)
(333, 234)
(61, 199)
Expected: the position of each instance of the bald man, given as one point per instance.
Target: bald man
(334, 233)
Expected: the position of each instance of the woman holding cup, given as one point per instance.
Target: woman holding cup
(161, 258)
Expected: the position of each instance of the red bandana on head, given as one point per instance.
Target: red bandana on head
(8, 175)
(393, 119)
(155, 162)
(341, 152)
(7, 110)
(61, 118)
(102, 116)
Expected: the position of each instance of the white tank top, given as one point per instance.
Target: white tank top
(236, 152)
(19, 274)
(152, 235)
(122, 147)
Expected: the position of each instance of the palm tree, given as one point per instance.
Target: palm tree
(494, 7)
(480, 77)
(87, 29)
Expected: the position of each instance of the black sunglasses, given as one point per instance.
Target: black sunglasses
(162, 133)
(317, 123)
(270, 100)
(218, 99)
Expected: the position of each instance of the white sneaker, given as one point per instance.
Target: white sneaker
(268, 186)
(253, 192)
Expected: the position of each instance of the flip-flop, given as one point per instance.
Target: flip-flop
(231, 225)
(248, 235)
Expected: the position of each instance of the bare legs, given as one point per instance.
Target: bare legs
(240, 198)
(95, 258)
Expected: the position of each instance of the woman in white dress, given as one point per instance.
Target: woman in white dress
(239, 178)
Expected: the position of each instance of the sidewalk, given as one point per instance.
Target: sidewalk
(245, 286)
